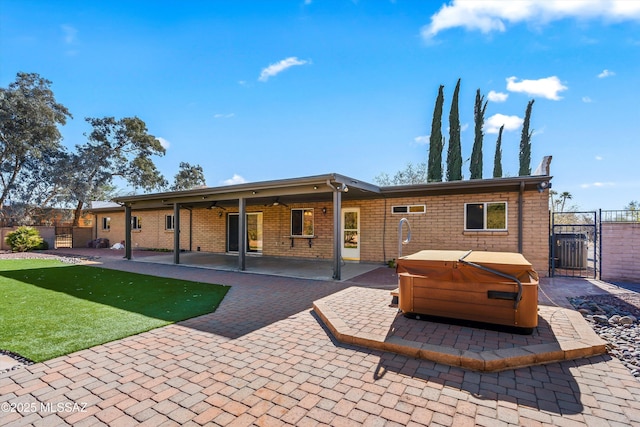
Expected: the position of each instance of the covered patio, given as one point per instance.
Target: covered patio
(367, 273)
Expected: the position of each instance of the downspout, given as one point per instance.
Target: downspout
(520, 215)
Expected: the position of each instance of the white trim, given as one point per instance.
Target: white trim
(408, 209)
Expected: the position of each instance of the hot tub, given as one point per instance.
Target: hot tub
(493, 287)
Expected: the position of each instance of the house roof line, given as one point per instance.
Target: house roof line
(260, 192)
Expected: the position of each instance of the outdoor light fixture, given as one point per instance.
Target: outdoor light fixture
(543, 186)
(220, 214)
(315, 187)
(324, 211)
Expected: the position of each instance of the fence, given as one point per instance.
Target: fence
(620, 245)
(67, 237)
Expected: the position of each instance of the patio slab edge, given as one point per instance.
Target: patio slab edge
(580, 341)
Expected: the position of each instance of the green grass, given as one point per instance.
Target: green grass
(48, 308)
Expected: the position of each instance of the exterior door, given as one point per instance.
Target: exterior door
(253, 241)
(351, 234)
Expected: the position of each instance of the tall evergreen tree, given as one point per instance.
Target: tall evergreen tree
(525, 143)
(434, 171)
(454, 153)
(497, 158)
(476, 154)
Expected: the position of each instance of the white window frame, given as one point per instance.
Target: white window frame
(302, 225)
(484, 216)
(408, 210)
(106, 223)
(136, 223)
(170, 222)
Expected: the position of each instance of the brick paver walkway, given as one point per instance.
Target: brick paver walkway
(263, 358)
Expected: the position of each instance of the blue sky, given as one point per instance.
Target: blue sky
(257, 90)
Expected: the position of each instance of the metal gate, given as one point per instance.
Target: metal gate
(64, 237)
(574, 244)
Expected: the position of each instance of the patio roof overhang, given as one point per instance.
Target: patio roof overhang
(305, 189)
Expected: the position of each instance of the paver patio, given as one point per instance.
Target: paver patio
(264, 358)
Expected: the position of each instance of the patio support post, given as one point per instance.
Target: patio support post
(127, 232)
(242, 233)
(176, 233)
(337, 207)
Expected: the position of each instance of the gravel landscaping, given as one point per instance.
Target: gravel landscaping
(615, 319)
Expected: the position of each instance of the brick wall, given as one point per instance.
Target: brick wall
(620, 249)
(152, 234)
(441, 227)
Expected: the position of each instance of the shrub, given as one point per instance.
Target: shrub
(24, 239)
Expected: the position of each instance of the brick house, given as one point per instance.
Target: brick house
(337, 218)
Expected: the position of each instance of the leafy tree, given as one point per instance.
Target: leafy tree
(633, 206)
(454, 153)
(23, 239)
(525, 143)
(115, 148)
(497, 158)
(409, 175)
(29, 119)
(436, 142)
(476, 154)
(188, 177)
(42, 186)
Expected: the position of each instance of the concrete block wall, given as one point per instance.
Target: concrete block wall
(620, 249)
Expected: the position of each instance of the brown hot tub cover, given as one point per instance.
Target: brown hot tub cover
(492, 287)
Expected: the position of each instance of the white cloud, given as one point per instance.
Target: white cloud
(464, 127)
(606, 73)
(493, 123)
(236, 179)
(278, 67)
(599, 158)
(487, 16)
(421, 140)
(598, 185)
(497, 96)
(547, 87)
(165, 144)
(223, 116)
(69, 33)
(586, 99)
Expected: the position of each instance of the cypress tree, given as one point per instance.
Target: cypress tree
(525, 143)
(476, 154)
(454, 153)
(497, 158)
(434, 172)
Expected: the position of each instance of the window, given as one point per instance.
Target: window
(485, 216)
(169, 222)
(136, 223)
(409, 209)
(106, 223)
(302, 222)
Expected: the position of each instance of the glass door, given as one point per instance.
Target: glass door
(254, 232)
(351, 234)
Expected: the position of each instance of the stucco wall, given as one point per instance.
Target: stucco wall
(620, 249)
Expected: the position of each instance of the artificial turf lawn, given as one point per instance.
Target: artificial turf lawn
(48, 308)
